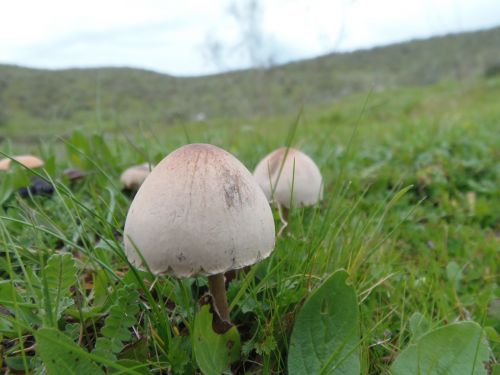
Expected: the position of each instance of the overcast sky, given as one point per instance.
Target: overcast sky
(172, 36)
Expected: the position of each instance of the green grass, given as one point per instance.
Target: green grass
(120, 99)
(411, 211)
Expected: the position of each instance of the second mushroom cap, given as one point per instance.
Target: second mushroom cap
(289, 177)
(133, 177)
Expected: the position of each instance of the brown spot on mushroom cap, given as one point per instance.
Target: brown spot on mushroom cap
(29, 161)
(234, 188)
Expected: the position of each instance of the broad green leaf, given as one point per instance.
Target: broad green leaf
(419, 325)
(214, 353)
(58, 276)
(60, 273)
(456, 349)
(325, 337)
(100, 290)
(62, 356)
(454, 273)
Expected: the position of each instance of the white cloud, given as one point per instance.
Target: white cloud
(168, 35)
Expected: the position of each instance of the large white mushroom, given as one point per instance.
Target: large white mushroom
(29, 161)
(290, 178)
(199, 212)
(133, 177)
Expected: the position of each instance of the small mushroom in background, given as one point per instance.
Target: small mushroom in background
(133, 177)
(28, 161)
(73, 174)
(200, 212)
(290, 178)
(40, 186)
(37, 186)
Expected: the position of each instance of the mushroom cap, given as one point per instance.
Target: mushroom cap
(199, 212)
(73, 174)
(133, 177)
(299, 172)
(29, 161)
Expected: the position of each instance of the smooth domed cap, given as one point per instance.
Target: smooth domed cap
(199, 212)
(29, 161)
(133, 177)
(298, 170)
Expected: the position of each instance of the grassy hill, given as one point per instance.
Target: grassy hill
(41, 102)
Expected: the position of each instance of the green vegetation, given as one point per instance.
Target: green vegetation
(35, 103)
(404, 250)
(410, 212)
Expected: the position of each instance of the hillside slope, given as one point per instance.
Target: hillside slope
(41, 101)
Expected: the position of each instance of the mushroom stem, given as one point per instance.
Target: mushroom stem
(218, 292)
(283, 212)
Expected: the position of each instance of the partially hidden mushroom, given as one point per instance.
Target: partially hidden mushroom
(289, 178)
(37, 186)
(199, 212)
(133, 177)
(73, 175)
(28, 161)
